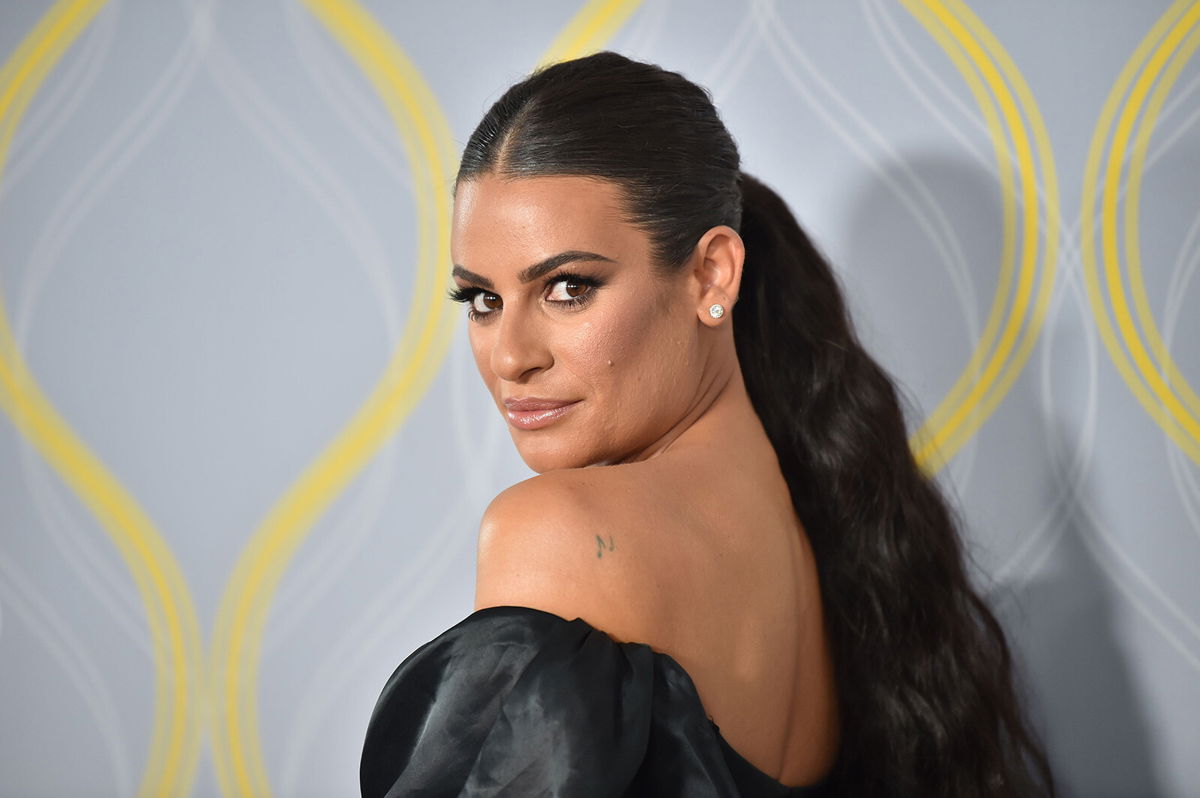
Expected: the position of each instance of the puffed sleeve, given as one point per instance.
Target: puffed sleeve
(512, 701)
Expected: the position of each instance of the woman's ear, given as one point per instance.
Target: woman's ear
(719, 257)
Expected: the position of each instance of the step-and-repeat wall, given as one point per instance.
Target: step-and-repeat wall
(244, 449)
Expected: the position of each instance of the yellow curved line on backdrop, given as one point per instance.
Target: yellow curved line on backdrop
(171, 616)
(944, 436)
(589, 29)
(1133, 209)
(1089, 201)
(957, 418)
(1117, 156)
(427, 139)
(1016, 363)
(920, 443)
(425, 340)
(1169, 21)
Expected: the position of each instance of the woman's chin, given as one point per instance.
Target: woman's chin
(542, 456)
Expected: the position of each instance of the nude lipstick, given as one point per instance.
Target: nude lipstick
(530, 412)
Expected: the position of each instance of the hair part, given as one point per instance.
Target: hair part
(551, 123)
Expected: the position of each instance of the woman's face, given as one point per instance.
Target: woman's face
(589, 355)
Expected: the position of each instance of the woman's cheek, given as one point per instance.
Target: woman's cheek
(600, 350)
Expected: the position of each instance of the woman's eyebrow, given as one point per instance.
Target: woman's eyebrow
(531, 273)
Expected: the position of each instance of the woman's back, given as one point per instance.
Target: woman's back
(699, 553)
(745, 609)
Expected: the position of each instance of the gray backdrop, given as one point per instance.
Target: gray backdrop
(244, 450)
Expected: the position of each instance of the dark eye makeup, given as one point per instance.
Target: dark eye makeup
(468, 294)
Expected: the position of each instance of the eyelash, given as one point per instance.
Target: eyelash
(467, 295)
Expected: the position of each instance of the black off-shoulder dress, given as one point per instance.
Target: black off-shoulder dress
(514, 701)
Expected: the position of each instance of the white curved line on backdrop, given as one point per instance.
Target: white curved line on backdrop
(1070, 483)
(874, 11)
(646, 27)
(1180, 276)
(98, 175)
(1182, 273)
(1155, 154)
(1072, 495)
(349, 657)
(1119, 559)
(357, 107)
(1069, 277)
(1082, 455)
(1168, 111)
(325, 557)
(931, 77)
(311, 578)
(954, 259)
(44, 622)
(1116, 561)
(975, 120)
(387, 611)
(1068, 468)
(1057, 514)
(315, 699)
(730, 64)
(57, 102)
(960, 469)
(1124, 562)
(933, 221)
(477, 453)
(76, 542)
(53, 111)
(1112, 557)
(1183, 472)
(1184, 479)
(312, 171)
(110, 584)
(75, 539)
(384, 616)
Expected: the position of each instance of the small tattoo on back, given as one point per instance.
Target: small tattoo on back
(601, 545)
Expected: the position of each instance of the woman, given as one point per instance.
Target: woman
(729, 576)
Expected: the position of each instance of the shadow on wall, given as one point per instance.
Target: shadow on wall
(918, 258)
(1080, 689)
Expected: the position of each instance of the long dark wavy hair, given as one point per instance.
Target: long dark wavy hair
(924, 673)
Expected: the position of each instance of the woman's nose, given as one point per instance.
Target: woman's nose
(520, 347)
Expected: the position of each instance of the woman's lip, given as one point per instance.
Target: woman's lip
(534, 403)
(534, 417)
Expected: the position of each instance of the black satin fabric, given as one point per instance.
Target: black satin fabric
(514, 701)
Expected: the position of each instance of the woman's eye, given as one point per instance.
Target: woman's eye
(483, 303)
(567, 290)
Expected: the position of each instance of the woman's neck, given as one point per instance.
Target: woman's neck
(721, 415)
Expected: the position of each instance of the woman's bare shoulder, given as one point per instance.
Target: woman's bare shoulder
(567, 542)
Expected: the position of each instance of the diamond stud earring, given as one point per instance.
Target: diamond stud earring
(716, 311)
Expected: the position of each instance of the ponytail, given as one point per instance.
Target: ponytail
(922, 666)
